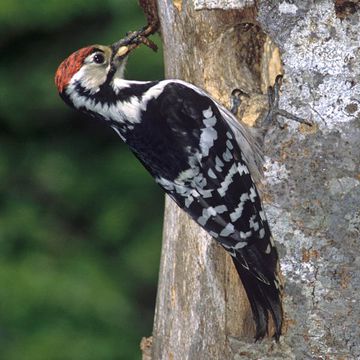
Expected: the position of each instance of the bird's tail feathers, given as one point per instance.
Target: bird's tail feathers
(257, 272)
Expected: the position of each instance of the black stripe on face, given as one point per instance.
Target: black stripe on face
(110, 75)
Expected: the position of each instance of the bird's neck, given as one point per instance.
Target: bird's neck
(124, 90)
(116, 101)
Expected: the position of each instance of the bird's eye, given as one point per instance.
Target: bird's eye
(99, 58)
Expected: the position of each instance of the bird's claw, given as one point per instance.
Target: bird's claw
(235, 99)
(274, 110)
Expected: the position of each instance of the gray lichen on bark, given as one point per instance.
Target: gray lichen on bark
(315, 210)
(222, 4)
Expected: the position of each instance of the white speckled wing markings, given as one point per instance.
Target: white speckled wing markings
(216, 189)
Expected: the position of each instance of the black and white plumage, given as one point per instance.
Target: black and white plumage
(196, 151)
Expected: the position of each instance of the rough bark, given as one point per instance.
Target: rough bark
(312, 194)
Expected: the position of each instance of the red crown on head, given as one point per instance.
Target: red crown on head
(71, 66)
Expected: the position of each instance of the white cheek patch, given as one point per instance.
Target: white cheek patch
(90, 77)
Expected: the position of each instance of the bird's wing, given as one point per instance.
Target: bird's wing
(195, 157)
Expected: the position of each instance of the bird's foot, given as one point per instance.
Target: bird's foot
(274, 110)
(235, 100)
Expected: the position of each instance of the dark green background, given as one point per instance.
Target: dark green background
(80, 220)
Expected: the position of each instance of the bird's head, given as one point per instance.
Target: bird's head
(87, 69)
(88, 76)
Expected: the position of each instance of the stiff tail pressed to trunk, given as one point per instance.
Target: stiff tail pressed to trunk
(262, 288)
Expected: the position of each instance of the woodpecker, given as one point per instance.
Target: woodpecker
(196, 150)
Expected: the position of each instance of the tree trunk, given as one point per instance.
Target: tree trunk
(313, 176)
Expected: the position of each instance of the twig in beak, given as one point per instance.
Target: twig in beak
(134, 39)
(150, 44)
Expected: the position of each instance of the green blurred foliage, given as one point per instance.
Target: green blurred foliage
(80, 219)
